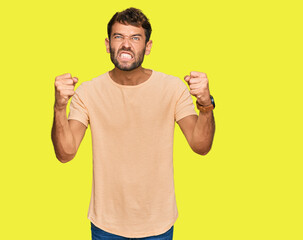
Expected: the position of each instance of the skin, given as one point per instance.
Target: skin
(199, 130)
(68, 134)
(128, 39)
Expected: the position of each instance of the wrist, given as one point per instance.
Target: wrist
(206, 106)
(59, 108)
(205, 103)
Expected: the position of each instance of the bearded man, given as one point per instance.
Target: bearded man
(132, 113)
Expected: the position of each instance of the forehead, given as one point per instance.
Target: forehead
(126, 29)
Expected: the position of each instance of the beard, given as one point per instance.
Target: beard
(126, 67)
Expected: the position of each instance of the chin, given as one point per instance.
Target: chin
(126, 68)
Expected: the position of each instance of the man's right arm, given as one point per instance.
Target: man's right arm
(66, 134)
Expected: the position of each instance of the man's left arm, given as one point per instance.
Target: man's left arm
(199, 130)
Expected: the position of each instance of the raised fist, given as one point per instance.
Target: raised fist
(198, 84)
(64, 90)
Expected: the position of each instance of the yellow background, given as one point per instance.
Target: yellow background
(248, 187)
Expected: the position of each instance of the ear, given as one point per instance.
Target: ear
(107, 45)
(148, 47)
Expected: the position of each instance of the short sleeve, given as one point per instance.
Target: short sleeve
(78, 110)
(184, 105)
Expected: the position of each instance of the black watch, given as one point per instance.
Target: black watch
(212, 100)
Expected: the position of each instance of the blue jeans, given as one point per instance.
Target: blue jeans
(99, 234)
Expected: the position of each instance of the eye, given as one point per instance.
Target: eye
(136, 38)
(117, 37)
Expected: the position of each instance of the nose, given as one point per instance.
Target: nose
(126, 43)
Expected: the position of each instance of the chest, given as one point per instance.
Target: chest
(117, 109)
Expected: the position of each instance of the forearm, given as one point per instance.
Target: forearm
(203, 133)
(62, 137)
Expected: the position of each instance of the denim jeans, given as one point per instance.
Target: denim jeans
(99, 234)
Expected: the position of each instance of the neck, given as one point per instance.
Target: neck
(133, 77)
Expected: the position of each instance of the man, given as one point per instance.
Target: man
(132, 113)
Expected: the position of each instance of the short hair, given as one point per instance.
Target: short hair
(131, 16)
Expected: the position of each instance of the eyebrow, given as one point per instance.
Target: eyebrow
(134, 35)
(138, 34)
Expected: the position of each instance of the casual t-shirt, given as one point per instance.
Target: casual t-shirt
(132, 128)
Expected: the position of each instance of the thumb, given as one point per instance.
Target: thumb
(75, 79)
(187, 78)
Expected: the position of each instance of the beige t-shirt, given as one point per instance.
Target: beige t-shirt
(132, 131)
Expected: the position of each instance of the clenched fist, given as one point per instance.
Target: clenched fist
(198, 84)
(64, 90)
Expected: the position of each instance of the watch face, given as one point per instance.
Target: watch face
(212, 100)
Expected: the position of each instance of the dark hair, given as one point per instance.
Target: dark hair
(131, 16)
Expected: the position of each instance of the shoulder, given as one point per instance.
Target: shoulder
(92, 84)
(171, 82)
(167, 79)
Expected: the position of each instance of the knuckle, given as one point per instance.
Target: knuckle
(67, 75)
(58, 81)
(63, 76)
(59, 88)
(57, 84)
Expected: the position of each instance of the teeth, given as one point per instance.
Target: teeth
(125, 55)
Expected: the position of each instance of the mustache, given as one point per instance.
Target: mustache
(124, 49)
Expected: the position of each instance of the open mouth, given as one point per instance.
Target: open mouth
(125, 56)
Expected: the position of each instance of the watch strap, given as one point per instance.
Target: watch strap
(204, 108)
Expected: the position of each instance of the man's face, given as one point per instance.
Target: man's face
(127, 46)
